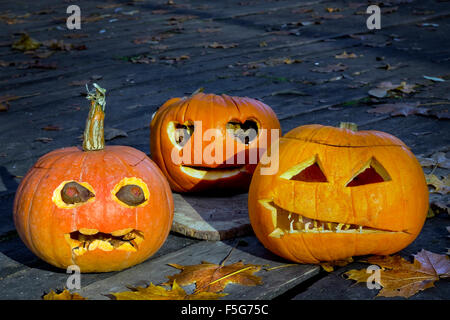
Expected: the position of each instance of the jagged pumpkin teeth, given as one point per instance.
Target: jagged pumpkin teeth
(307, 226)
(346, 227)
(79, 251)
(360, 229)
(88, 232)
(93, 245)
(300, 218)
(339, 226)
(126, 246)
(122, 232)
(105, 246)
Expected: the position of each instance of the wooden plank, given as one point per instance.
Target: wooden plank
(19, 268)
(211, 217)
(274, 282)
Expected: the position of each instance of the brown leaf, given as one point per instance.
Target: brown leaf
(211, 277)
(331, 68)
(399, 109)
(153, 292)
(64, 295)
(438, 159)
(329, 265)
(398, 277)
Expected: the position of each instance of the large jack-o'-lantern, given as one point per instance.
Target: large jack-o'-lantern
(338, 193)
(181, 129)
(100, 208)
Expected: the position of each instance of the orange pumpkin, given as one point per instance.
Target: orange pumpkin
(242, 128)
(338, 193)
(101, 208)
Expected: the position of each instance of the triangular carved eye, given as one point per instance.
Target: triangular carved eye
(308, 171)
(371, 172)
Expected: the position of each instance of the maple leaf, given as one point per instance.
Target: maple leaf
(400, 278)
(153, 292)
(64, 295)
(211, 277)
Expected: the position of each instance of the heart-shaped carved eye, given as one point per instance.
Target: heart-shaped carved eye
(244, 132)
(73, 193)
(131, 195)
(179, 133)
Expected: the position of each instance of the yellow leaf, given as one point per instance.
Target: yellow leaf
(25, 43)
(153, 292)
(345, 55)
(211, 277)
(65, 295)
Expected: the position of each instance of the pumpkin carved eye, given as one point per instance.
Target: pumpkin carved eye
(179, 133)
(131, 194)
(308, 171)
(243, 132)
(371, 172)
(73, 193)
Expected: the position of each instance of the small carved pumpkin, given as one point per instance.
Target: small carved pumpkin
(338, 193)
(101, 208)
(180, 130)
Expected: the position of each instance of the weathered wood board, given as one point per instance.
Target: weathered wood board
(274, 282)
(211, 218)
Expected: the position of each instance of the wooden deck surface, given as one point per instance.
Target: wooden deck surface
(145, 52)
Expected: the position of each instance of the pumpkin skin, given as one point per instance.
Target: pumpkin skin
(214, 112)
(367, 184)
(56, 231)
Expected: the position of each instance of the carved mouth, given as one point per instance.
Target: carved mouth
(84, 240)
(206, 173)
(287, 222)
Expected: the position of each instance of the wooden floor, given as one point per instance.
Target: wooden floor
(144, 52)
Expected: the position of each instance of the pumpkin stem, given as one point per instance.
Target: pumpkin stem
(93, 138)
(201, 89)
(349, 125)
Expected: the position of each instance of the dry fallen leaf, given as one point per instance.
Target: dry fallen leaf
(345, 55)
(329, 265)
(440, 186)
(64, 295)
(153, 292)
(210, 277)
(437, 159)
(385, 87)
(26, 43)
(399, 277)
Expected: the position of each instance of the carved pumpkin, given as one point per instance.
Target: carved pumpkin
(338, 193)
(101, 208)
(181, 129)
